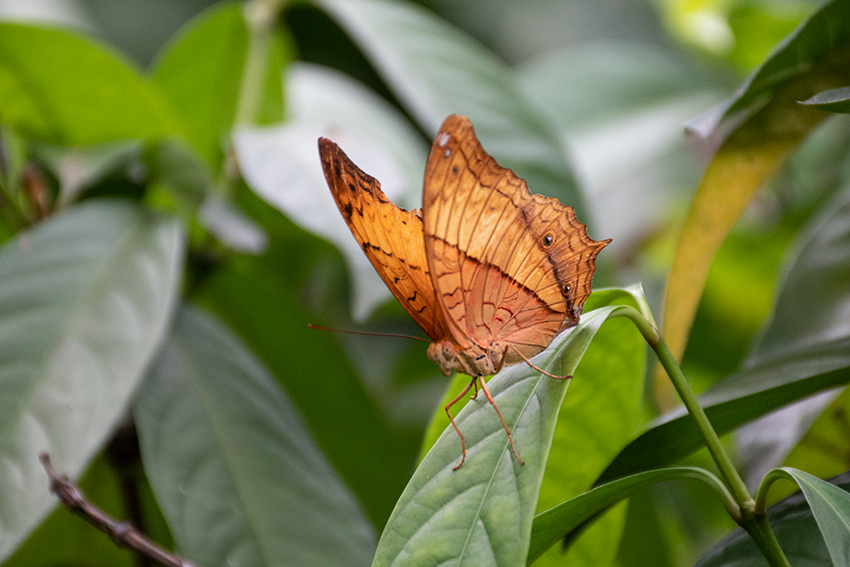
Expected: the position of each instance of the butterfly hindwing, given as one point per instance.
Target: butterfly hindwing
(509, 267)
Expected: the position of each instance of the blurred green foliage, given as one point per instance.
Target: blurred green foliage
(245, 410)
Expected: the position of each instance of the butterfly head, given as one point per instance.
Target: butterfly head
(473, 360)
(444, 354)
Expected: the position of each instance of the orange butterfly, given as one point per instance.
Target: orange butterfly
(489, 271)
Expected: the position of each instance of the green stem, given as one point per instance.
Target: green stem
(712, 441)
(261, 16)
(748, 516)
(644, 324)
(766, 483)
(759, 529)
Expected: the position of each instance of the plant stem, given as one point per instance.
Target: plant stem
(766, 483)
(715, 448)
(758, 527)
(747, 516)
(755, 524)
(260, 16)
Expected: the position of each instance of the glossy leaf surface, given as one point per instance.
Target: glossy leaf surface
(236, 472)
(85, 298)
(752, 152)
(481, 513)
(57, 87)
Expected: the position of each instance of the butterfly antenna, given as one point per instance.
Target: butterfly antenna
(528, 362)
(396, 335)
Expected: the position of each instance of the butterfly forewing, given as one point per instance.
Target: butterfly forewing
(509, 267)
(391, 237)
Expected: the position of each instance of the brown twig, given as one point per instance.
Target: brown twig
(122, 533)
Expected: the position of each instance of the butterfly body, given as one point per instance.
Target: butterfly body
(491, 272)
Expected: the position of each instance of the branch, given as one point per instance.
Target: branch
(122, 533)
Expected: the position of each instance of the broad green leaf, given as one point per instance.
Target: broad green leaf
(813, 303)
(813, 450)
(254, 299)
(741, 397)
(833, 100)
(818, 40)
(57, 87)
(597, 419)
(235, 469)
(811, 307)
(85, 298)
(435, 70)
(200, 74)
(831, 508)
(601, 414)
(551, 526)
(796, 529)
(481, 514)
(281, 164)
(809, 61)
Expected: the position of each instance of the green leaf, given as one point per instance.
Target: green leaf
(814, 283)
(833, 100)
(809, 61)
(254, 299)
(235, 469)
(601, 414)
(831, 508)
(435, 70)
(85, 298)
(200, 74)
(553, 525)
(736, 400)
(794, 524)
(599, 417)
(59, 88)
(482, 513)
(817, 42)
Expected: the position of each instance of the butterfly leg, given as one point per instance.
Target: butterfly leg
(475, 395)
(473, 382)
(495, 407)
(528, 362)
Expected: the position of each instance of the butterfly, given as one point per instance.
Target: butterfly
(490, 272)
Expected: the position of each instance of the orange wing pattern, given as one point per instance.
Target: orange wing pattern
(390, 236)
(511, 269)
